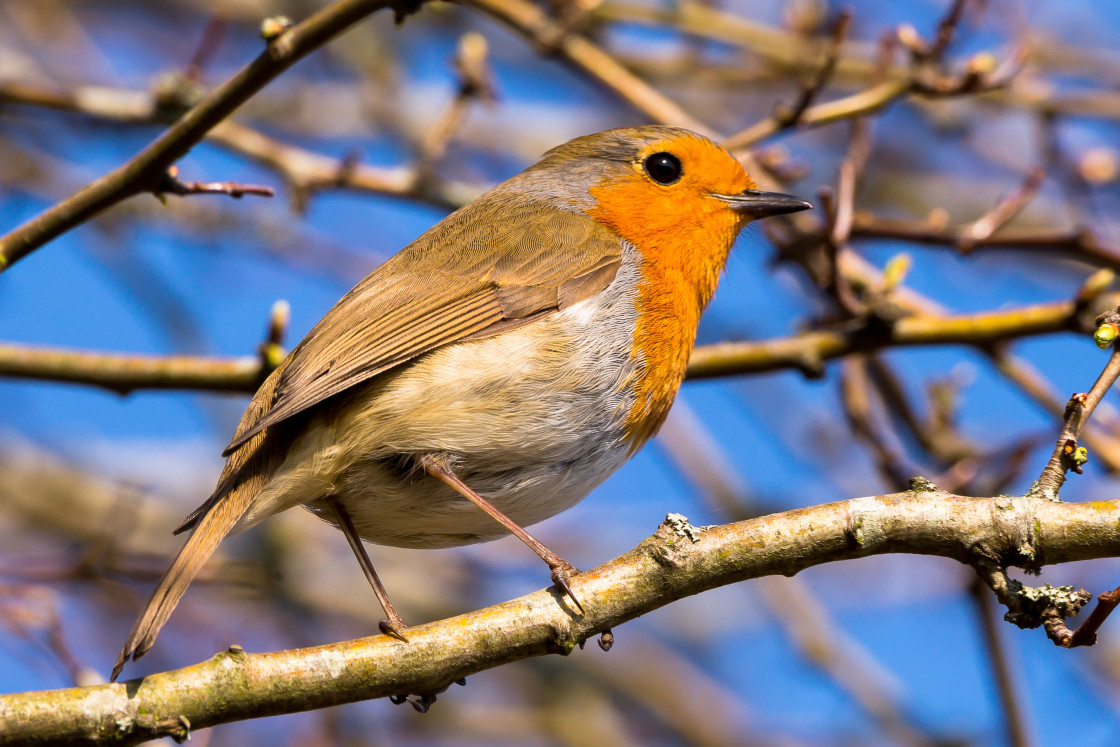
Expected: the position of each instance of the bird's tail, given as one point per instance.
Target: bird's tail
(211, 529)
(245, 473)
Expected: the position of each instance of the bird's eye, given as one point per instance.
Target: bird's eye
(663, 168)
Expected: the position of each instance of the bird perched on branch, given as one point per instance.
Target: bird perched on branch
(497, 369)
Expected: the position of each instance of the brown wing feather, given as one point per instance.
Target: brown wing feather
(469, 273)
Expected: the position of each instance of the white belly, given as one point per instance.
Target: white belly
(532, 419)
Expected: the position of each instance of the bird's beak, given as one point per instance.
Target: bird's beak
(756, 204)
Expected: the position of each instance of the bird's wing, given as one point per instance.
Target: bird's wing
(472, 275)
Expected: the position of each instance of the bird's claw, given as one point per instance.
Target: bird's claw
(561, 574)
(394, 628)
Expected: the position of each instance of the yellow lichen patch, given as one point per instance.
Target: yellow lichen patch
(684, 235)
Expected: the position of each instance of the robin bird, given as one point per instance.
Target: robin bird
(498, 368)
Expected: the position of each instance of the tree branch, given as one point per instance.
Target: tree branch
(807, 352)
(536, 25)
(1067, 454)
(147, 168)
(679, 560)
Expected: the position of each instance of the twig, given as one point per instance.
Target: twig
(307, 172)
(787, 50)
(865, 102)
(1067, 454)
(1079, 243)
(124, 373)
(936, 434)
(788, 116)
(982, 228)
(1086, 633)
(170, 184)
(1104, 447)
(807, 352)
(1032, 607)
(148, 167)
(208, 43)
(982, 74)
(856, 403)
(924, 52)
(475, 82)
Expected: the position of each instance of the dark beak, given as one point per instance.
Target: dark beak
(757, 204)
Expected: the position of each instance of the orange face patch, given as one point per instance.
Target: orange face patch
(684, 235)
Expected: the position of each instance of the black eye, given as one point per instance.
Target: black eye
(663, 168)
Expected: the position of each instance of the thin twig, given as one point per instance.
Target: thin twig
(885, 85)
(1067, 454)
(1086, 633)
(1079, 243)
(305, 172)
(856, 403)
(170, 184)
(788, 116)
(476, 82)
(982, 228)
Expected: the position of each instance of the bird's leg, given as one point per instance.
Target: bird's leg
(394, 626)
(561, 569)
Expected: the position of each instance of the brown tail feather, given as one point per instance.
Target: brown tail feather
(245, 473)
(210, 531)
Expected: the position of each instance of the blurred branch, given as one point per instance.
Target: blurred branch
(1010, 694)
(806, 352)
(677, 561)
(790, 51)
(552, 36)
(1080, 243)
(922, 78)
(126, 372)
(789, 116)
(305, 172)
(147, 168)
(476, 81)
(809, 350)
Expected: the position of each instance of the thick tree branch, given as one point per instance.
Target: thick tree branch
(146, 169)
(679, 560)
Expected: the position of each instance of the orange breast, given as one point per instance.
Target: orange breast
(684, 239)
